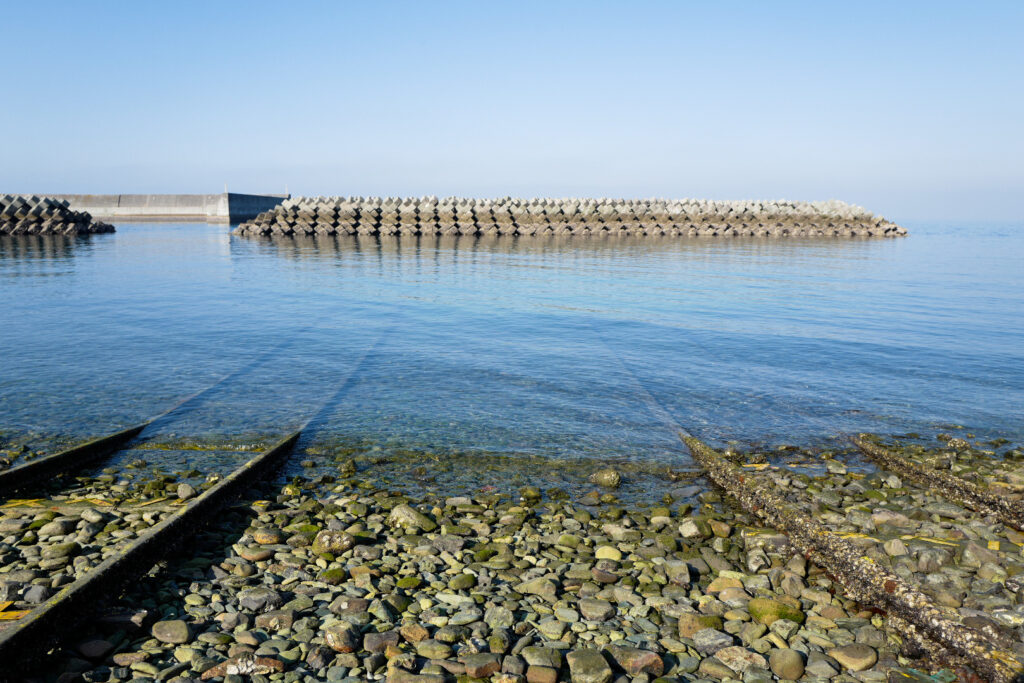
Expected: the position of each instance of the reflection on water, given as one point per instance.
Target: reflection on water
(40, 255)
(553, 347)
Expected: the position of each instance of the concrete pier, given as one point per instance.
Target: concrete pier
(226, 207)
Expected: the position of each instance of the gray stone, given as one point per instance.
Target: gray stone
(173, 632)
(854, 657)
(260, 599)
(406, 517)
(588, 666)
(786, 664)
(708, 641)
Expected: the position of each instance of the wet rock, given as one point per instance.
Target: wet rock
(786, 664)
(343, 638)
(690, 624)
(36, 594)
(481, 665)
(405, 516)
(739, 659)
(61, 550)
(545, 588)
(333, 542)
(854, 657)
(259, 599)
(767, 611)
(542, 656)
(319, 657)
(268, 536)
(433, 649)
(378, 642)
(608, 478)
(245, 664)
(594, 609)
(588, 666)
(173, 632)
(819, 665)
(708, 641)
(635, 661)
(346, 606)
(95, 649)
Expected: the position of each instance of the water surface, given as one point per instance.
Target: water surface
(554, 348)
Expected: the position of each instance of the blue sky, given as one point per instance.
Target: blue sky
(912, 109)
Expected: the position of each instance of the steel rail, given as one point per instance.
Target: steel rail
(27, 641)
(1009, 512)
(80, 456)
(862, 578)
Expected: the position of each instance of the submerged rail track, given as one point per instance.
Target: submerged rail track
(922, 624)
(1009, 512)
(25, 643)
(865, 580)
(75, 458)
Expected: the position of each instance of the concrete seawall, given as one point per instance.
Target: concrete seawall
(226, 207)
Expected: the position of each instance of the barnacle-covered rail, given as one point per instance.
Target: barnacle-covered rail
(27, 641)
(66, 460)
(1010, 512)
(864, 580)
(25, 644)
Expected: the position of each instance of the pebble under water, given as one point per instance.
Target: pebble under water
(544, 348)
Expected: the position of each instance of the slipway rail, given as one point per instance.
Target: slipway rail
(1009, 512)
(864, 580)
(80, 456)
(919, 620)
(66, 461)
(26, 642)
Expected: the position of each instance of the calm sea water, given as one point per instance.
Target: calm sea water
(559, 349)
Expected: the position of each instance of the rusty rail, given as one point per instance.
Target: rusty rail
(864, 580)
(1010, 512)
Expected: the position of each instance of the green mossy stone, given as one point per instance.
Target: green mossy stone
(334, 576)
(462, 582)
(409, 582)
(768, 611)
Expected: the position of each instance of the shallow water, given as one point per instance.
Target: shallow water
(561, 349)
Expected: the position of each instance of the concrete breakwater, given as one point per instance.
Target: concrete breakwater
(226, 207)
(33, 215)
(574, 216)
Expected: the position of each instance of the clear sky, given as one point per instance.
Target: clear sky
(912, 109)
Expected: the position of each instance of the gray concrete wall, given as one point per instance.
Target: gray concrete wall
(200, 208)
(245, 207)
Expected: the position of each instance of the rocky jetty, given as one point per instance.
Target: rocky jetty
(573, 216)
(32, 215)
